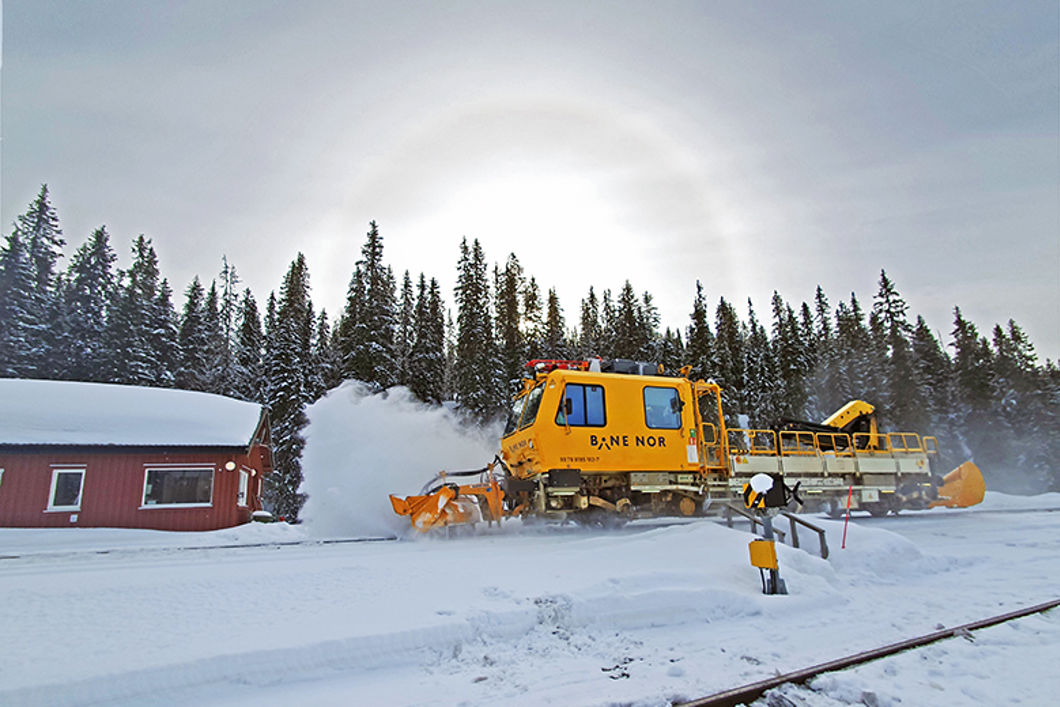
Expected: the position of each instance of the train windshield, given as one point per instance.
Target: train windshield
(530, 403)
(513, 415)
(533, 402)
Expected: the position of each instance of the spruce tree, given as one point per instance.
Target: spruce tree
(350, 321)
(762, 384)
(225, 372)
(628, 325)
(648, 329)
(730, 363)
(20, 335)
(371, 329)
(287, 393)
(216, 349)
(555, 340)
(194, 370)
(405, 334)
(533, 320)
(811, 355)
(671, 354)
(132, 357)
(973, 374)
(700, 349)
(904, 392)
(590, 334)
(511, 339)
(325, 371)
(934, 374)
(87, 291)
(477, 371)
(825, 380)
(608, 326)
(40, 233)
(249, 383)
(789, 361)
(428, 360)
(164, 337)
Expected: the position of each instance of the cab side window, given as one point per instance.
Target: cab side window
(582, 406)
(662, 408)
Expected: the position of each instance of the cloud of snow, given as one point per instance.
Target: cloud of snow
(361, 447)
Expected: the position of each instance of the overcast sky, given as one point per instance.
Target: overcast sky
(751, 145)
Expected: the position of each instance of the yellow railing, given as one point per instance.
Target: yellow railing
(839, 444)
(905, 442)
(796, 443)
(742, 441)
(869, 443)
(835, 443)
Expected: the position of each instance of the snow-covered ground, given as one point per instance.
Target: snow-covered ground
(651, 614)
(526, 616)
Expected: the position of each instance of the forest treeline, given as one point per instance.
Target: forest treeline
(985, 396)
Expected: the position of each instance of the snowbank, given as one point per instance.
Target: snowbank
(521, 616)
(362, 447)
(996, 501)
(34, 541)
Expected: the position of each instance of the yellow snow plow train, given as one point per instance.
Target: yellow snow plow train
(605, 441)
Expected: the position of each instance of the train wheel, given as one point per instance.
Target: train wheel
(599, 518)
(876, 510)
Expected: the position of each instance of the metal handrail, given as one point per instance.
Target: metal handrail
(821, 536)
(798, 443)
(906, 442)
(751, 438)
(794, 521)
(840, 444)
(755, 520)
(870, 443)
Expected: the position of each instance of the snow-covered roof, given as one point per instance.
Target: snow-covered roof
(68, 413)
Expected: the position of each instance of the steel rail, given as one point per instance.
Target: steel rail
(752, 691)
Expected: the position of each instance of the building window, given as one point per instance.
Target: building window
(582, 406)
(178, 487)
(244, 483)
(65, 493)
(662, 408)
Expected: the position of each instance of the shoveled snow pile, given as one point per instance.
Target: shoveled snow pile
(362, 447)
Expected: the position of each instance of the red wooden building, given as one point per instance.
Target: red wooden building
(95, 455)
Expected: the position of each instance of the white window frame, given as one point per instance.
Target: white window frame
(243, 493)
(56, 471)
(144, 505)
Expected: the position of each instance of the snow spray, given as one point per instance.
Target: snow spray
(361, 447)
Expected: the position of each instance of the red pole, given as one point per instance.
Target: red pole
(850, 495)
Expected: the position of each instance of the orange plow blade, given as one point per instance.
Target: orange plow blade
(449, 504)
(962, 487)
(440, 508)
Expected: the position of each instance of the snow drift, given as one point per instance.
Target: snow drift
(361, 447)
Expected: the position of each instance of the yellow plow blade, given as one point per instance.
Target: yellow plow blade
(962, 487)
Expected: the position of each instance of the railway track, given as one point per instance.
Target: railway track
(745, 694)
